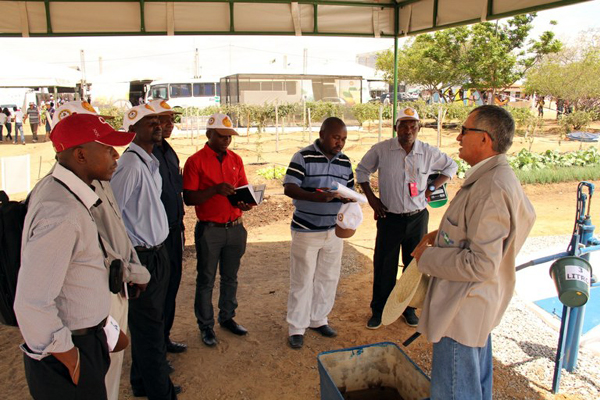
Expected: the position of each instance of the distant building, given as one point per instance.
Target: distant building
(291, 88)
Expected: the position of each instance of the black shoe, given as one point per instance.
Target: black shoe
(374, 322)
(208, 337)
(170, 367)
(296, 341)
(142, 392)
(174, 347)
(326, 331)
(234, 327)
(410, 317)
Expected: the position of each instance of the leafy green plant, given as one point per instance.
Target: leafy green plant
(576, 121)
(273, 172)
(117, 116)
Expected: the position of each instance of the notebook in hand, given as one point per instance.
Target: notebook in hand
(248, 194)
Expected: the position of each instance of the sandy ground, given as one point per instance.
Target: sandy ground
(261, 365)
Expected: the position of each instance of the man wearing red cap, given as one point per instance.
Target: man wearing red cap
(209, 176)
(63, 298)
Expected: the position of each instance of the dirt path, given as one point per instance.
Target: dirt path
(261, 365)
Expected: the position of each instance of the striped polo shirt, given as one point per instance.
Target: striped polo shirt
(311, 169)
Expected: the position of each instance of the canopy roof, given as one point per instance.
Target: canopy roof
(369, 18)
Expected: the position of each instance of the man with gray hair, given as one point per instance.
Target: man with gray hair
(471, 259)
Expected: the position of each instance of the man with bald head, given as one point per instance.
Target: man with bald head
(316, 253)
(137, 186)
(63, 299)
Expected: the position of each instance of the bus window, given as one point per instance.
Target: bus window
(159, 92)
(204, 89)
(180, 90)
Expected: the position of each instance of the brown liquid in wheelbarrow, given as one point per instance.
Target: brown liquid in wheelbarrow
(375, 393)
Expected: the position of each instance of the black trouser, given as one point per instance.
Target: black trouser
(149, 371)
(223, 247)
(34, 128)
(174, 245)
(8, 126)
(49, 379)
(394, 231)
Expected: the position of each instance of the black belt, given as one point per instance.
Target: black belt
(153, 248)
(85, 331)
(222, 225)
(408, 214)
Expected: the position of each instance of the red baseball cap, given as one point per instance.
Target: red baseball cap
(79, 129)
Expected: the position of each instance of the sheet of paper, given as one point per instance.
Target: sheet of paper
(348, 193)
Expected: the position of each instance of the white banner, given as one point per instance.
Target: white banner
(16, 174)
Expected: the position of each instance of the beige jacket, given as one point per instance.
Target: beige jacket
(472, 263)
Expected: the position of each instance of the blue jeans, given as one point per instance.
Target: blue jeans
(19, 127)
(461, 372)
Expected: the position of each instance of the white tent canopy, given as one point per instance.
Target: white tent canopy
(20, 74)
(370, 18)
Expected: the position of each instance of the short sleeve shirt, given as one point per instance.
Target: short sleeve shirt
(311, 169)
(204, 170)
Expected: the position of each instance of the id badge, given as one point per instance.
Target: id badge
(412, 189)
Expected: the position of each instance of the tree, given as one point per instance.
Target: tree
(573, 74)
(429, 60)
(483, 56)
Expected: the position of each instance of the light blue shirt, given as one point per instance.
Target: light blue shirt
(137, 186)
(396, 169)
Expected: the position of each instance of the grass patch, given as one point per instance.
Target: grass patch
(557, 175)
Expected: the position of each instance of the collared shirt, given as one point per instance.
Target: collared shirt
(34, 115)
(203, 170)
(137, 186)
(63, 280)
(475, 167)
(311, 169)
(172, 182)
(114, 235)
(396, 169)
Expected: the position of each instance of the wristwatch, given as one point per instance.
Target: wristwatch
(431, 188)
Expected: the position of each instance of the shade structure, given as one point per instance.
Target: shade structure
(368, 18)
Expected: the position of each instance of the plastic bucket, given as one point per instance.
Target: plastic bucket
(572, 276)
(374, 368)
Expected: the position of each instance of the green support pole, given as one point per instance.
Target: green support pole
(395, 103)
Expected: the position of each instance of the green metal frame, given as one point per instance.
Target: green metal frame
(396, 5)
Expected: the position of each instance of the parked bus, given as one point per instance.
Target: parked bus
(186, 93)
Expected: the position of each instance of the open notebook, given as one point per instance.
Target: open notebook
(248, 194)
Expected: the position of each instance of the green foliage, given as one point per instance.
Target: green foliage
(522, 117)
(274, 172)
(365, 112)
(484, 56)
(578, 120)
(525, 160)
(550, 166)
(573, 75)
(319, 110)
(462, 168)
(556, 175)
(117, 113)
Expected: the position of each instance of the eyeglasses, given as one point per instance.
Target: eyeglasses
(464, 130)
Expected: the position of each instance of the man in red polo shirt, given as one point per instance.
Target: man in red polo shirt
(209, 176)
